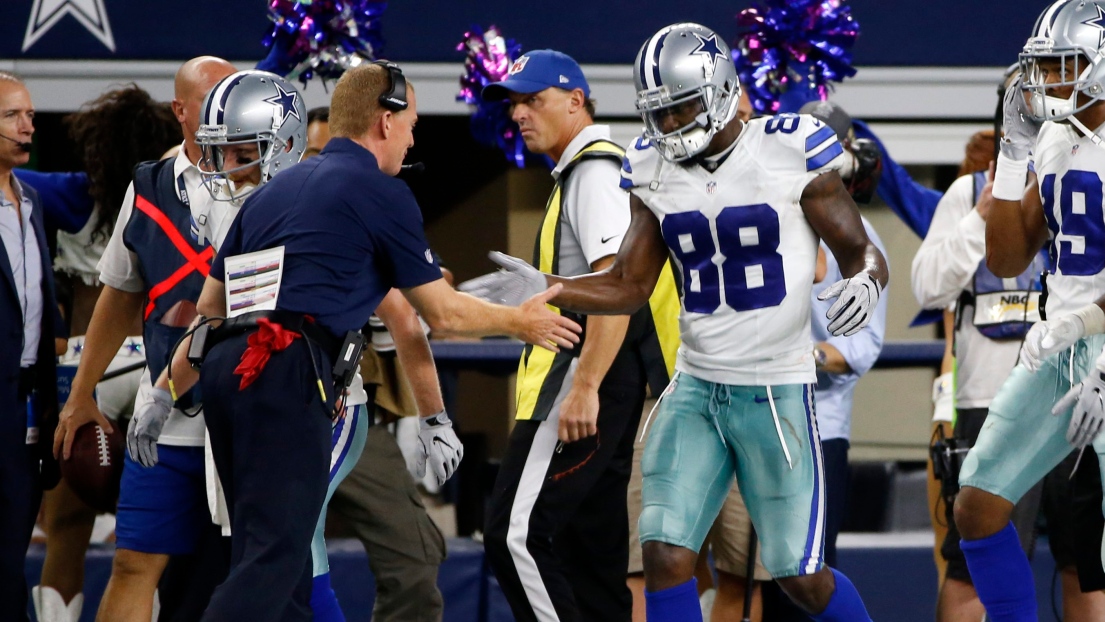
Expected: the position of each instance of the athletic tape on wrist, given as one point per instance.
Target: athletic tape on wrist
(1093, 320)
(1009, 178)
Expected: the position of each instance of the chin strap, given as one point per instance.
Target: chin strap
(1094, 138)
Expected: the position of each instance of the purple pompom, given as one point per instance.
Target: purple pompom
(790, 50)
(488, 59)
(322, 37)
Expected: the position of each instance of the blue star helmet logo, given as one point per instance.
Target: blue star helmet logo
(286, 102)
(1099, 23)
(708, 47)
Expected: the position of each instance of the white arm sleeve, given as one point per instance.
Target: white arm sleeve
(597, 207)
(118, 265)
(950, 253)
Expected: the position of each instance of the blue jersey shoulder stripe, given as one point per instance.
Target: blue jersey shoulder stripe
(817, 138)
(626, 183)
(823, 158)
(626, 166)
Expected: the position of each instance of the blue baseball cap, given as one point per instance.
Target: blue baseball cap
(536, 71)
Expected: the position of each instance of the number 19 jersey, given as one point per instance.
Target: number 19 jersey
(1069, 170)
(742, 244)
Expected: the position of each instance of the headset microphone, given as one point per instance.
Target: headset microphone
(24, 147)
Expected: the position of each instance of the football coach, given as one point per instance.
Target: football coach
(350, 232)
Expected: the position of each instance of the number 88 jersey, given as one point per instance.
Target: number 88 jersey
(1070, 170)
(743, 247)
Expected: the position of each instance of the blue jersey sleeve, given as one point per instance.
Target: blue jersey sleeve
(406, 257)
(66, 203)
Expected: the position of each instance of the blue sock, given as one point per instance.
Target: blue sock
(845, 605)
(1002, 576)
(324, 603)
(675, 604)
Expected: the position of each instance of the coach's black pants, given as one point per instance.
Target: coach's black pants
(271, 444)
(557, 528)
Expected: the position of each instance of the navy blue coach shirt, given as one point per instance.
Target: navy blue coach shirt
(350, 233)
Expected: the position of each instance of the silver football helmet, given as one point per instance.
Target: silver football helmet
(249, 119)
(680, 68)
(1069, 38)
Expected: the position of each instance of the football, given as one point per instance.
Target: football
(95, 466)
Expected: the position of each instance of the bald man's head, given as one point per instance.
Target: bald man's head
(193, 80)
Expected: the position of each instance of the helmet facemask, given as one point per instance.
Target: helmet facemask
(225, 161)
(706, 108)
(1039, 59)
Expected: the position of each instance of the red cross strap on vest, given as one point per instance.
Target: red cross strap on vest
(194, 262)
(172, 262)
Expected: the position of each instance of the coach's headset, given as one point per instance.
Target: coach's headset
(395, 98)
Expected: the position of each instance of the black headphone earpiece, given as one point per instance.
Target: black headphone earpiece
(395, 98)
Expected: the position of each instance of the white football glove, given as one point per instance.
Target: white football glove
(857, 298)
(1088, 399)
(1020, 127)
(145, 427)
(516, 283)
(1051, 337)
(438, 446)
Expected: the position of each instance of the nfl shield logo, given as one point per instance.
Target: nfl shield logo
(1074, 150)
(711, 187)
(518, 66)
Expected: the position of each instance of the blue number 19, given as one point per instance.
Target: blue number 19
(1083, 224)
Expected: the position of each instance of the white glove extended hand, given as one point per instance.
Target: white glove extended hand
(1051, 337)
(1088, 399)
(1020, 127)
(146, 424)
(438, 446)
(516, 283)
(857, 298)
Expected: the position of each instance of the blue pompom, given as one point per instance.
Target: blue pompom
(789, 51)
(322, 37)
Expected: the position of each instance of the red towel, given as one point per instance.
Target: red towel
(270, 337)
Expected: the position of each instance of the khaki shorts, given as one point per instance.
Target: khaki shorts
(728, 536)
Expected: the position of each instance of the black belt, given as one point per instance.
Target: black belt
(26, 381)
(295, 322)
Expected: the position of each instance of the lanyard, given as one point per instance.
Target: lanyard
(182, 190)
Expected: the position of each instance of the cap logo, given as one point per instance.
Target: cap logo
(564, 80)
(518, 65)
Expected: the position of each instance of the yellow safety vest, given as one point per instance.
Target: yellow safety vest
(653, 330)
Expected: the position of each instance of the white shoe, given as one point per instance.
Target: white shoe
(51, 607)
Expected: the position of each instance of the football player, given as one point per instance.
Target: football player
(740, 207)
(1051, 119)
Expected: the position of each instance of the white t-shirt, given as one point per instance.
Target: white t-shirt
(746, 252)
(943, 268)
(595, 211)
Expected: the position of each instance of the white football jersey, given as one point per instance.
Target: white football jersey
(744, 249)
(1069, 169)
